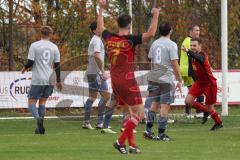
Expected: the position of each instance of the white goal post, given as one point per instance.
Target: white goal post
(224, 51)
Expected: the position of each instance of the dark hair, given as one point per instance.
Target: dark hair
(164, 28)
(197, 39)
(46, 31)
(192, 26)
(124, 20)
(93, 26)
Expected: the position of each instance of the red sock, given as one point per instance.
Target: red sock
(130, 125)
(215, 117)
(131, 139)
(199, 106)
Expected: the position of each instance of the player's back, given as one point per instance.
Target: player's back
(44, 53)
(121, 53)
(162, 52)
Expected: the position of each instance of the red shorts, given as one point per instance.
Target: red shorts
(127, 92)
(208, 89)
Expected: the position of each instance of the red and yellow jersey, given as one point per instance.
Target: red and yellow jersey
(120, 51)
(203, 71)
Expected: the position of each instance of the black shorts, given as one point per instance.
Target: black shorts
(96, 83)
(37, 91)
(162, 93)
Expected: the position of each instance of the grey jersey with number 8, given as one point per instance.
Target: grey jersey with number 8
(44, 54)
(162, 52)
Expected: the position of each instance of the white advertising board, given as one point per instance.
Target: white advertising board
(14, 87)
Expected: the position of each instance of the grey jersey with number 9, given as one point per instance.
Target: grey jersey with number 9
(44, 54)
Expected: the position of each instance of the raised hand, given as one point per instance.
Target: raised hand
(155, 12)
(102, 3)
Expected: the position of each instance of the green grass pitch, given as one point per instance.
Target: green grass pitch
(66, 140)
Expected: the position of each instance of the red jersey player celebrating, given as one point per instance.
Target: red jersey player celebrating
(120, 49)
(205, 84)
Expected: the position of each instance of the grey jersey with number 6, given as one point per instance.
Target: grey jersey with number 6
(44, 54)
(162, 52)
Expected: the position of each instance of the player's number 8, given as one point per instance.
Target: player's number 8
(46, 56)
(158, 57)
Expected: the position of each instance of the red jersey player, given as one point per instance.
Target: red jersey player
(120, 49)
(205, 84)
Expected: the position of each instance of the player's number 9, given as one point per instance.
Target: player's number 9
(46, 56)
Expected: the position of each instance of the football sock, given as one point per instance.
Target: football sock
(108, 116)
(150, 120)
(87, 108)
(215, 117)
(131, 139)
(162, 124)
(199, 106)
(101, 107)
(127, 133)
(213, 113)
(41, 110)
(33, 109)
(200, 99)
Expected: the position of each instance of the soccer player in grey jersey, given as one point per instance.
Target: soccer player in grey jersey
(43, 56)
(97, 81)
(165, 70)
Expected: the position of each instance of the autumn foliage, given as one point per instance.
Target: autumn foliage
(70, 20)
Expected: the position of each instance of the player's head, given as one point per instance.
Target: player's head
(196, 45)
(165, 28)
(124, 22)
(46, 31)
(93, 28)
(194, 31)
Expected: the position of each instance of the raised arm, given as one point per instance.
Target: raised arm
(197, 56)
(100, 21)
(153, 26)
